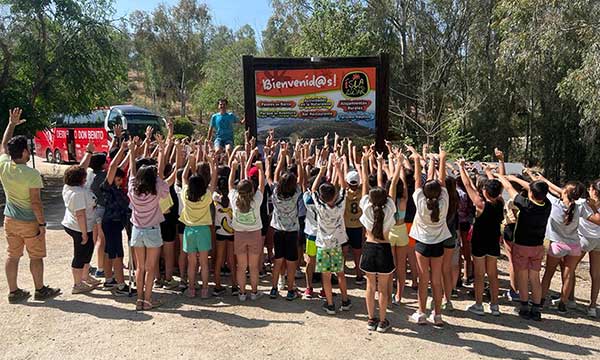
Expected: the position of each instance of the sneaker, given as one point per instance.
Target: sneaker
(158, 284)
(262, 274)
(171, 284)
(110, 284)
(396, 301)
(46, 292)
(291, 295)
(81, 288)
(299, 275)
(219, 291)
(123, 290)
(308, 293)
(359, 280)
(523, 312)
(183, 285)
(281, 283)
(242, 297)
(592, 312)
(18, 295)
(235, 290)
(535, 315)
(92, 270)
(322, 294)
(476, 309)
(92, 281)
(274, 293)
(329, 309)
(383, 326)
(448, 306)
(436, 319)
(346, 305)
(372, 324)
(99, 273)
(512, 295)
(204, 294)
(255, 296)
(225, 271)
(454, 294)
(571, 305)
(419, 318)
(562, 308)
(495, 309)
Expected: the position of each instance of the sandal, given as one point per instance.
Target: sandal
(139, 305)
(151, 305)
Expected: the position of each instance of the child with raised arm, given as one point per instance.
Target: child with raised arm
(589, 237)
(430, 231)
(196, 195)
(377, 261)
(331, 234)
(246, 221)
(485, 241)
(527, 250)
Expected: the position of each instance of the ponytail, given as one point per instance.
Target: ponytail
(432, 191)
(433, 204)
(378, 217)
(574, 190)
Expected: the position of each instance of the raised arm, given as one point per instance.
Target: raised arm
(234, 167)
(280, 163)
(508, 186)
(471, 191)
(186, 170)
(213, 173)
(365, 172)
(261, 176)
(114, 164)
(442, 169)
(14, 120)
(380, 162)
(418, 169)
(500, 156)
(132, 150)
(89, 151)
(315, 185)
(521, 182)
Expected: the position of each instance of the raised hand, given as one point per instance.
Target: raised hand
(90, 147)
(149, 131)
(118, 130)
(14, 116)
(499, 154)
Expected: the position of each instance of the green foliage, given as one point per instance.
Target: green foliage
(458, 143)
(183, 125)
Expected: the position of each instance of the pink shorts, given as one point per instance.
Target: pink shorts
(557, 249)
(527, 257)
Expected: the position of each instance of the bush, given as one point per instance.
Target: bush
(182, 125)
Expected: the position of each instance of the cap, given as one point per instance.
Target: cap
(252, 172)
(352, 178)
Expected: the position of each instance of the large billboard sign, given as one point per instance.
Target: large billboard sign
(301, 97)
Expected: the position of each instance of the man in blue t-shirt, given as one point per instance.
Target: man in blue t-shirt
(221, 123)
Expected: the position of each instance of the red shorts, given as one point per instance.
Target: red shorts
(527, 257)
(411, 241)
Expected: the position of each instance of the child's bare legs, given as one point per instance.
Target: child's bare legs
(231, 262)
(152, 256)
(140, 270)
(182, 258)
(276, 271)
(491, 268)
(99, 245)
(254, 267)
(384, 295)
(169, 255)
(595, 275)
(551, 264)
(436, 283)
(310, 269)
(204, 271)
(327, 287)
(412, 262)
(423, 268)
(192, 269)
(291, 278)
(221, 250)
(242, 264)
(447, 274)
(466, 252)
(370, 295)
(479, 267)
(343, 285)
(568, 284)
(400, 253)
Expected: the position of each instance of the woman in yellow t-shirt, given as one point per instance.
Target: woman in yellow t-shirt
(196, 196)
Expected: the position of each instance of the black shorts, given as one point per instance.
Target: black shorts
(168, 230)
(377, 258)
(355, 238)
(82, 253)
(430, 250)
(485, 247)
(113, 233)
(464, 226)
(509, 232)
(266, 223)
(224, 237)
(286, 245)
(449, 243)
(301, 224)
(180, 227)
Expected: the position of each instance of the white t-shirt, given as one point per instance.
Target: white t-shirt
(285, 211)
(331, 230)
(249, 221)
(368, 216)
(89, 178)
(310, 223)
(222, 216)
(423, 228)
(556, 229)
(586, 228)
(178, 190)
(78, 198)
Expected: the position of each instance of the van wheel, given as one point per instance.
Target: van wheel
(57, 157)
(49, 157)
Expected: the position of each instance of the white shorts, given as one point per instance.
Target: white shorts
(589, 245)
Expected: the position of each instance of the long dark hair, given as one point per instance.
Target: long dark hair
(287, 185)
(196, 188)
(223, 185)
(432, 190)
(452, 197)
(378, 198)
(145, 180)
(245, 190)
(574, 190)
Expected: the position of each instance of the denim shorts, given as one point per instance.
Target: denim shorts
(149, 237)
(222, 143)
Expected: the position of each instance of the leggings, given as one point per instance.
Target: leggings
(82, 254)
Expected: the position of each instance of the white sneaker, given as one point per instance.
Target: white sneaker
(476, 309)
(436, 319)
(242, 297)
(592, 312)
(255, 296)
(281, 283)
(495, 309)
(419, 318)
(82, 288)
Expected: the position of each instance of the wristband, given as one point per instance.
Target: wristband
(42, 225)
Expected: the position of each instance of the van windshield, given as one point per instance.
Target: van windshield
(136, 124)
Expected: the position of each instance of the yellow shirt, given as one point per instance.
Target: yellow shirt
(353, 212)
(17, 179)
(196, 213)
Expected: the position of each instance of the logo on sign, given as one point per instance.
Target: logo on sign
(355, 84)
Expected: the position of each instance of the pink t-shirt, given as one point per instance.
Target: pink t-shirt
(145, 207)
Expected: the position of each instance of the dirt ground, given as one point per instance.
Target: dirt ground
(100, 326)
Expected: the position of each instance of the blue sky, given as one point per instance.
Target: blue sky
(232, 13)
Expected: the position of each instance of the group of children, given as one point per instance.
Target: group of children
(194, 208)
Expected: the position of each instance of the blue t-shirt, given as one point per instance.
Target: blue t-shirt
(223, 125)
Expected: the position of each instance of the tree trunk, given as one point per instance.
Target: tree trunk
(182, 94)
